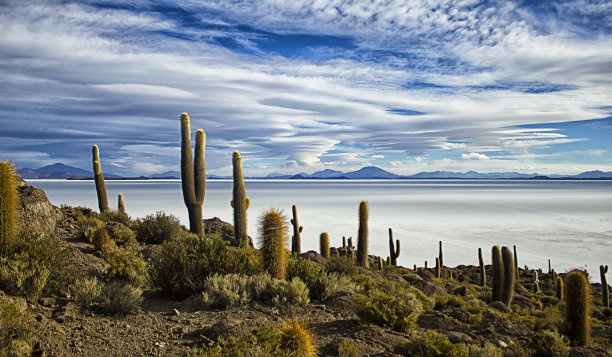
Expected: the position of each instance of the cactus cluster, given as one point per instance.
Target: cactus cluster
(9, 201)
(99, 180)
(296, 240)
(393, 252)
(273, 237)
(362, 238)
(503, 274)
(240, 202)
(193, 174)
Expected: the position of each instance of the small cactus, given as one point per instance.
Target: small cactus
(577, 308)
(296, 239)
(483, 273)
(394, 253)
(440, 254)
(240, 202)
(350, 243)
(324, 245)
(559, 289)
(438, 268)
(380, 263)
(99, 180)
(362, 240)
(605, 289)
(101, 240)
(536, 282)
(549, 270)
(498, 273)
(121, 203)
(296, 339)
(516, 267)
(9, 203)
(273, 237)
(509, 276)
(193, 174)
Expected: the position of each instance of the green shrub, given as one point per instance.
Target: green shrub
(342, 265)
(120, 298)
(87, 291)
(223, 291)
(115, 217)
(448, 300)
(346, 349)
(157, 228)
(488, 350)
(550, 344)
(334, 284)
(126, 264)
(305, 269)
(15, 330)
(435, 344)
(88, 225)
(184, 263)
(123, 236)
(261, 343)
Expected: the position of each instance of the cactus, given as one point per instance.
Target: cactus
(273, 237)
(193, 174)
(426, 264)
(99, 179)
(350, 243)
(577, 308)
(380, 263)
(498, 273)
(394, 253)
(414, 267)
(344, 242)
(516, 269)
(296, 239)
(9, 203)
(240, 202)
(549, 270)
(509, 275)
(121, 203)
(324, 245)
(559, 289)
(101, 240)
(438, 267)
(483, 273)
(440, 254)
(362, 240)
(536, 282)
(450, 273)
(605, 289)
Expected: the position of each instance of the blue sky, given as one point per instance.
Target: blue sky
(306, 85)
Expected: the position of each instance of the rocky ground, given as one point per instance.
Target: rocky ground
(171, 326)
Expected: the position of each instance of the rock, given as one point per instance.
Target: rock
(520, 289)
(435, 320)
(312, 255)
(429, 288)
(223, 229)
(523, 302)
(500, 306)
(412, 278)
(425, 274)
(458, 337)
(41, 216)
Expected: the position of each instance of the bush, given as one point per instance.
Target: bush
(184, 263)
(126, 264)
(119, 297)
(305, 269)
(263, 342)
(296, 339)
(123, 236)
(157, 228)
(87, 291)
(488, 350)
(334, 284)
(448, 300)
(435, 344)
(550, 344)
(15, 330)
(346, 349)
(223, 291)
(88, 225)
(341, 265)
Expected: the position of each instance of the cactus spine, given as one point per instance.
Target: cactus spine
(240, 202)
(605, 289)
(296, 239)
(99, 179)
(9, 201)
(483, 273)
(324, 245)
(440, 254)
(273, 237)
(516, 269)
(362, 240)
(509, 275)
(559, 289)
(394, 253)
(498, 273)
(121, 203)
(193, 174)
(577, 310)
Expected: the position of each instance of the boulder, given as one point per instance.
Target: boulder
(223, 229)
(36, 212)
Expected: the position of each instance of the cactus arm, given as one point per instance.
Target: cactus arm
(199, 169)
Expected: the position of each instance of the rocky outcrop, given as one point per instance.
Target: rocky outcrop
(36, 212)
(223, 229)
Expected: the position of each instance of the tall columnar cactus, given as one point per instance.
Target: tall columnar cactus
(516, 269)
(121, 203)
(577, 308)
(509, 275)
(440, 254)
(362, 239)
(438, 268)
(559, 289)
(324, 244)
(483, 273)
(393, 253)
(9, 203)
(273, 238)
(380, 263)
(240, 202)
(549, 266)
(296, 239)
(536, 282)
(605, 289)
(193, 174)
(498, 273)
(343, 242)
(99, 179)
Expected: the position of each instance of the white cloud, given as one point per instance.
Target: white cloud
(475, 155)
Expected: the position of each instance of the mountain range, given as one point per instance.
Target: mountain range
(62, 171)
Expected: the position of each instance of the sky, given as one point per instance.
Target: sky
(307, 85)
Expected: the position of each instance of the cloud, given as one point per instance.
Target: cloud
(377, 156)
(475, 156)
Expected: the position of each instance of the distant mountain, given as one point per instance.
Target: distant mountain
(166, 175)
(327, 173)
(57, 171)
(469, 175)
(593, 175)
(370, 172)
